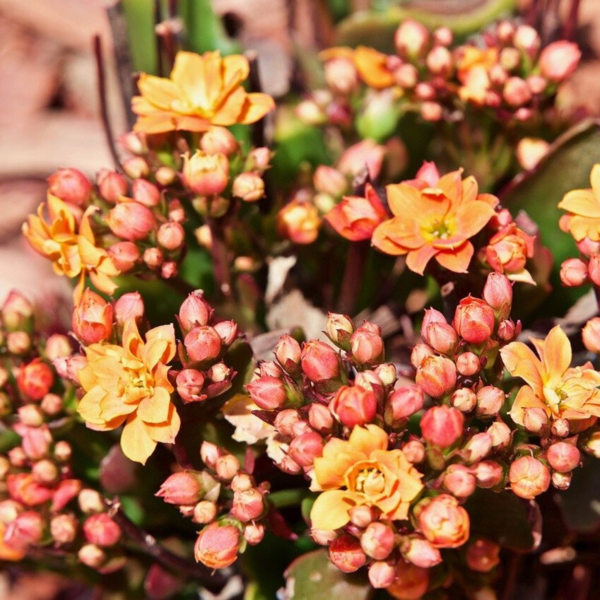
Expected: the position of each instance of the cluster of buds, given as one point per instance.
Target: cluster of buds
(225, 499)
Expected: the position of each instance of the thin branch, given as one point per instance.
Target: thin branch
(220, 257)
(353, 277)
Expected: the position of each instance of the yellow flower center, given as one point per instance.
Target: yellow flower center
(370, 482)
(438, 229)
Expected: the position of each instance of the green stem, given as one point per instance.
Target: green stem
(285, 498)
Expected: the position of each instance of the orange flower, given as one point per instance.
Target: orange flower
(72, 252)
(584, 208)
(128, 385)
(473, 65)
(552, 385)
(7, 552)
(435, 222)
(373, 67)
(202, 91)
(371, 474)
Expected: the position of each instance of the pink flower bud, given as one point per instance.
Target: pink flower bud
(464, 399)
(52, 404)
(508, 330)
(320, 362)
(217, 545)
(218, 140)
(189, 385)
(171, 236)
(36, 442)
(516, 92)
(367, 345)
(411, 39)
(527, 39)
(488, 473)
(176, 212)
(70, 185)
(249, 187)
(64, 528)
(437, 333)
(17, 311)
(135, 167)
(489, 401)
(320, 418)
(57, 346)
(431, 111)
(129, 307)
(425, 92)
(498, 293)
(414, 451)
(18, 342)
(378, 540)
(124, 255)
(194, 311)
(27, 529)
(406, 76)
(563, 457)
(328, 180)
(444, 523)
(354, 405)
(288, 354)
(501, 435)
(474, 320)
(420, 552)
(558, 60)
(594, 269)
(145, 192)
(206, 174)
(131, 220)
(258, 160)
(45, 472)
(573, 272)
(346, 554)
(482, 555)
(267, 392)
(185, 487)
(591, 335)
(92, 556)
(31, 415)
(339, 329)
(477, 448)
(442, 425)
(419, 353)
(436, 375)
(439, 61)
(90, 501)
(361, 515)
(535, 419)
(203, 344)
(111, 185)
(588, 247)
(404, 402)
(209, 453)
(248, 505)
(101, 530)
(305, 448)
(35, 379)
(459, 481)
(68, 489)
(299, 221)
(269, 368)
(228, 332)
(92, 320)
(254, 533)
(341, 76)
(381, 574)
(227, 467)
(204, 512)
(562, 481)
(528, 477)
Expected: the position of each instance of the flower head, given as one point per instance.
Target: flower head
(128, 385)
(583, 206)
(371, 474)
(435, 222)
(201, 91)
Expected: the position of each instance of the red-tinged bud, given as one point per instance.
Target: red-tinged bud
(588, 247)
(189, 384)
(443, 36)
(227, 331)
(516, 92)
(135, 167)
(354, 405)
(254, 533)
(444, 522)
(68, 489)
(477, 448)
(218, 140)
(195, 311)
(101, 530)
(439, 61)
(227, 467)
(510, 58)
(482, 555)
(573, 272)
(498, 293)
(501, 435)
(176, 211)
(206, 174)
(129, 307)
(9, 511)
(171, 236)
(169, 269)
(437, 333)
(52, 404)
(361, 515)
(26, 530)
(387, 374)
(488, 473)
(269, 368)
(248, 505)
(402, 403)
(18, 342)
(288, 354)
(414, 451)
(305, 448)
(242, 482)
(92, 320)
(431, 111)
(134, 143)
(249, 187)
(23, 489)
(378, 540)
(561, 427)
(204, 512)
(406, 76)
(286, 421)
(36, 442)
(381, 574)
(594, 269)
(203, 344)
(258, 160)
(437, 376)
(124, 255)
(459, 481)
(287, 465)
(320, 362)
(411, 582)
(17, 457)
(145, 192)
(411, 39)
(92, 556)
(464, 399)
(562, 481)
(420, 552)
(64, 528)
(299, 221)
(111, 185)
(70, 185)
(563, 457)
(474, 320)
(591, 335)
(505, 30)
(341, 76)
(45, 472)
(490, 400)
(35, 379)
(320, 418)
(30, 415)
(419, 353)
(558, 60)
(184, 488)
(210, 453)
(268, 393)
(528, 477)
(217, 545)
(131, 221)
(57, 346)
(508, 330)
(537, 85)
(91, 502)
(442, 426)
(497, 74)
(339, 329)
(346, 554)
(526, 39)
(535, 419)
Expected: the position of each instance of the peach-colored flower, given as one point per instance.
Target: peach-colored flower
(583, 206)
(560, 390)
(508, 252)
(299, 221)
(371, 474)
(128, 385)
(201, 91)
(473, 65)
(435, 222)
(7, 552)
(372, 66)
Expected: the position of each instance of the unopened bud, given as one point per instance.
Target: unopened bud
(101, 530)
(459, 481)
(249, 187)
(420, 552)
(217, 545)
(218, 140)
(248, 505)
(203, 344)
(378, 541)
(381, 574)
(482, 555)
(145, 192)
(227, 467)
(63, 528)
(562, 481)
(254, 533)
(573, 272)
(444, 523)
(563, 457)
(528, 477)
(70, 185)
(354, 405)
(464, 399)
(490, 400)
(436, 375)
(131, 221)
(474, 320)
(346, 554)
(288, 354)
(339, 328)
(112, 185)
(204, 512)
(305, 448)
(488, 473)
(442, 426)
(92, 320)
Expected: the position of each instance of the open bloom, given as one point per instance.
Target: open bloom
(435, 222)
(559, 390)
(370, 474)
(201, 91)
(128, 385)
(583, 220)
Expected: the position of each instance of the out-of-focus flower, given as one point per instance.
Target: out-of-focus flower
(128, 385)
(435, 222)
(530, 151)
(473, 65)
(583, 206)
(366, 154)
(558, 60)
(370, 474)
(559, 390)
(202, 90)
(299, 221)
(508, 252)
(411, 582)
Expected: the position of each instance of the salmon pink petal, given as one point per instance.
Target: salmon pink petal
(165, 433)
(155, 409)
(404, 200)
(471, 218)
(526, 398)
(456, 260)
(256, 106)
(382, 242)
(372, 67)
(417, 260)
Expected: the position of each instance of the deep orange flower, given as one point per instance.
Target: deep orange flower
(583, 220)
(128, 385)
(201, 91)
(371, 474)
(435, 222)
(553, 385)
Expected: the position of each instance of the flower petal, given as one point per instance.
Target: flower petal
(368, 439)
(456, 260)
(330, 510)
(155, 408)
(557, 354)
(417, 260)
(135, 441)
(520, 361)
(159, 91)
(581, 202)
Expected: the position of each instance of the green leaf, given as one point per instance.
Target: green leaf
(8, 440)
(377, 29)
(140, 30)
(313, 577)
(566, 167)
(501, 517)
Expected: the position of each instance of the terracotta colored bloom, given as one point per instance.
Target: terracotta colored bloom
(559, 390)
(201, 91)
(370, 474)
(435, 222)
(128, 385)
(583, 220)
(357, 218)
(508, 252)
